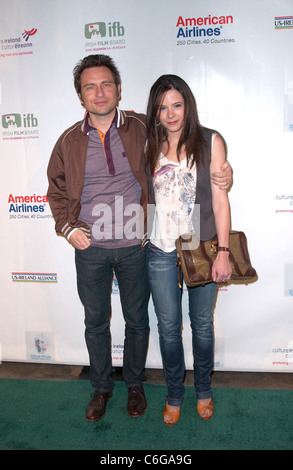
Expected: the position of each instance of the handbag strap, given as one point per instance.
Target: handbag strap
(178, 264)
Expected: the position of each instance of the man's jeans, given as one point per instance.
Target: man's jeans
(163, 278)
(94, 281)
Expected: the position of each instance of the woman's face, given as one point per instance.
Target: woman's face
(171, 111)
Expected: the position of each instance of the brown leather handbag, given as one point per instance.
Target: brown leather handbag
(195, 259)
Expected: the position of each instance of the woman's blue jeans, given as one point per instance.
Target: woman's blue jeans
(94, 268)
(163, 278)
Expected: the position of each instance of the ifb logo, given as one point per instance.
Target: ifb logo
(16, 120)
(100, 30)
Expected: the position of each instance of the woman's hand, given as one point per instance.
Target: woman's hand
(221, 270)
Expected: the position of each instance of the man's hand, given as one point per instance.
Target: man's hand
(224, 178)
(79, 240)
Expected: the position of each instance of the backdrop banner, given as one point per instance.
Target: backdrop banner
(237, 59)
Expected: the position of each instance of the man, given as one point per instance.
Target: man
(98, 190)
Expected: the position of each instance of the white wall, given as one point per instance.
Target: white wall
(242, 78)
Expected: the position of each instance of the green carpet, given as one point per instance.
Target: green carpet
(49, 415)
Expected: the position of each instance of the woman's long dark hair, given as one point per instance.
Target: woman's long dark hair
(191, 136)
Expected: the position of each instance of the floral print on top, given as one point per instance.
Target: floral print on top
(175, 191)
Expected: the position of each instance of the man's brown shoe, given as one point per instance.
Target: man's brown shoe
(96, 408)
(136, 404)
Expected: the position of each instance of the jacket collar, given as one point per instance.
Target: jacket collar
(86, 127)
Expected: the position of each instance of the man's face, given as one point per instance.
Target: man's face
(99, 94)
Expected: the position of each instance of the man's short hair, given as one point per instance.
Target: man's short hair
(95, 60)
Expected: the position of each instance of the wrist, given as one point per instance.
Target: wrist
(223, 253)
(224, 249)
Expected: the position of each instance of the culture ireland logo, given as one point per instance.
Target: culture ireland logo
(18, 45)
(101, 36)
(27, 34)
(288, 280)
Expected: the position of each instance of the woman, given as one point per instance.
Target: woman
(182, 156)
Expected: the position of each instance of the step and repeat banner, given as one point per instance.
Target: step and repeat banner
(237, 58)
